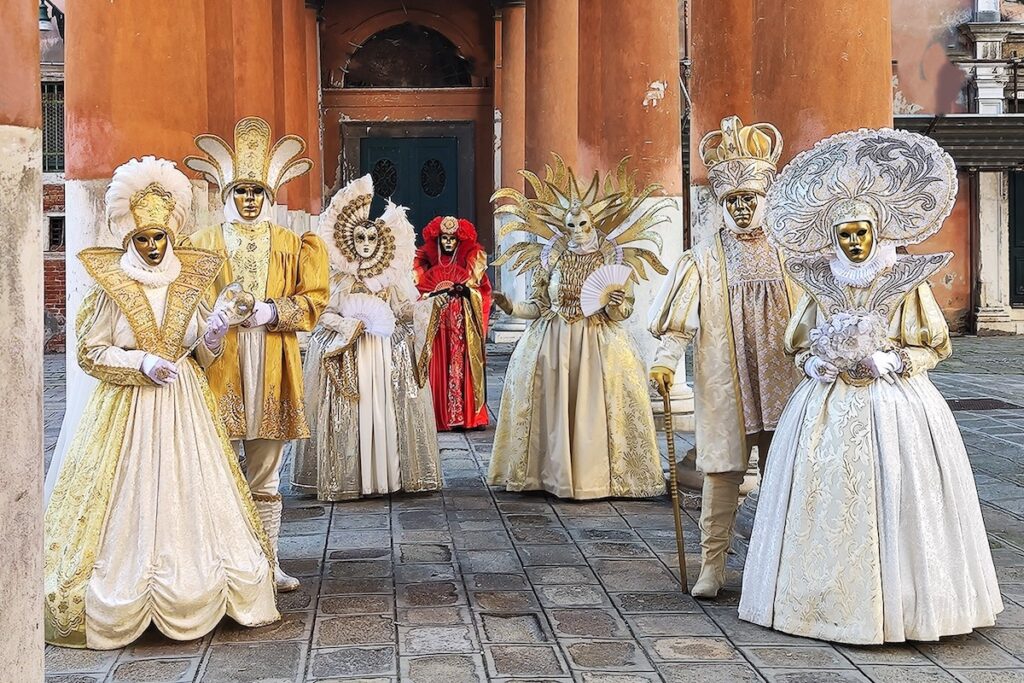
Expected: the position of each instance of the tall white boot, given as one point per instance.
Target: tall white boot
(719, 501)
(270, 514)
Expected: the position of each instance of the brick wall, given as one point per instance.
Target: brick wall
(54, 291)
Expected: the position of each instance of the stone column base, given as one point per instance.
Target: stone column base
(505, 329)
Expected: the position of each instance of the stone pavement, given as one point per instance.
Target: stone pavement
(476, 584)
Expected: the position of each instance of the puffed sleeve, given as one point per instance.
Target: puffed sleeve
(341, 331)
(797, 340)
(300, 311)
(674, 314)
(539, 302)
(97, 354)
(921, 331)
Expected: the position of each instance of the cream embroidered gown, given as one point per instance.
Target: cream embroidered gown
(868, 527)
(575, 417)
(150, 520)
(372, 426)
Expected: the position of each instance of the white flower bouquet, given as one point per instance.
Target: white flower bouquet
(847, 338)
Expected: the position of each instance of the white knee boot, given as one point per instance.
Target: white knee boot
(719, 501)
(270, 514)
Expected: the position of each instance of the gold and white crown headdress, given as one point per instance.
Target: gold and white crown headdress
(906, 180)
(741, 158)
(612, 211)
(147, 193)
(348, 209)
(253, 159)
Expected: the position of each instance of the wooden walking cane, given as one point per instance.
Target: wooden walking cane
(673, 485)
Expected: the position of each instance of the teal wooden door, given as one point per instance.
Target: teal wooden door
(1017, 238)
(419, 173)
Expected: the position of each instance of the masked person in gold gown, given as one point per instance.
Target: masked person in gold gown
(372, 422)
(258, 378)
(150, 520)
(730, 296)
(575, 417)
(868, 528)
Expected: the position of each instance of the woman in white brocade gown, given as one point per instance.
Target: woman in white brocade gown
(150, 520)
(868, 527)
(371, 426)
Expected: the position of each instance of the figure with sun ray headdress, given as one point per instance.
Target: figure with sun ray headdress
(575, 417)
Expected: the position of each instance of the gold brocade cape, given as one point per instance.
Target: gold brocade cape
(297, 284)
(77, 511)
(700, 278)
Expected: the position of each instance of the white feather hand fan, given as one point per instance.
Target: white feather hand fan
(600, 284)
(375, 314)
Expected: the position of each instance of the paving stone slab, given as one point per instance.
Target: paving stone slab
(356, 604)
(488, 561)
(613, 535)
(364, 538)
(745, 633)
(616, 677)
(970, 651)
(990, 675)
(360, 553)
(605, 655)
(530, 519)
(60, 660)
(353, 661)
(419, 573)
(302, 512)
(813, 676)
(523, 660)
(342, 522)
(302, 598)
(646, 625)
(674, 601)
(429, 553)
(359, 569)
(797, 657)
(707, 673)
(481, 540)
(595, 523)
(504, 601)
(565, 575)
(497, 582)
(892, 653)
(524, 627)
(422, 640)
(1010, 639)
(540, 535)
(155, 671)
(301, 547)
(634, 575)
(421, 519)
(291, 626)
(443, 668)
(591, 623)
(692, 649)
(302, 567)
(248, 662)
(356, 586)
(152, 643)
(907, 674)
(433, 594)
(76, 678)
(367, 629)
(434, 616)
(614, 549)
(547, 555)
(584, 595)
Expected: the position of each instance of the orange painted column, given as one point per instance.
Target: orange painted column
(313, 137)
(552, 49)
(295, 92)
(513, 93)
(21, 336)
(823, 67)
(629, 96)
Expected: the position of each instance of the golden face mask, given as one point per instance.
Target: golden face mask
(249, 198)
(151, 244)
(448, 243)
(856, 239)
(741, 206)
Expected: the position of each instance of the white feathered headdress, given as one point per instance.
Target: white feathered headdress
(253, 160)
(146, 193)
(392, 262)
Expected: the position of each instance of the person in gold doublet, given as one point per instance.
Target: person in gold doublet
(150, 520)
(258, 379)
(575, 417)
(729, 295)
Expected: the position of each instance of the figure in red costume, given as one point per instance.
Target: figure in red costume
(451, 270)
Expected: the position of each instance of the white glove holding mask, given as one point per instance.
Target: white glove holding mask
(820, 370)
(216, 329)
(162, 372)
(263, 314)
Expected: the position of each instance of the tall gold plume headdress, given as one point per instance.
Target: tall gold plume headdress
(147, 193)
(253, 159)
(741, 158)
(611, 209)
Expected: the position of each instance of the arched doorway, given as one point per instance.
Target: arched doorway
(407, 98)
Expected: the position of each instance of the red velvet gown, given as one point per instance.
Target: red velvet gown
(458, 329)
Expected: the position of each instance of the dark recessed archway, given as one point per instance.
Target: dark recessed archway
(408, 56)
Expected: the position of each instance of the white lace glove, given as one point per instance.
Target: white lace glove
(216, 328)
(820, 370)
(263, 314)
(884, 363)
(162, 372)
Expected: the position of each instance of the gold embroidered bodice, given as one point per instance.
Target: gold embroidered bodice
(567, 280)
(248, 248)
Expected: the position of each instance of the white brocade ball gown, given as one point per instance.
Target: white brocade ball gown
(868, 527)
(150, 521)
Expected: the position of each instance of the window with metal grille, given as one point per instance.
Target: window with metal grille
(56, 233)
(53, 126)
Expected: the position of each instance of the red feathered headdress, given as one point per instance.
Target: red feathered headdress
(463, 230)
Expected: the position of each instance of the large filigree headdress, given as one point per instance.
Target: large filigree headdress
(147, 193)
(741, 158)
(348, 211)
(253, 159)
(559, 198)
